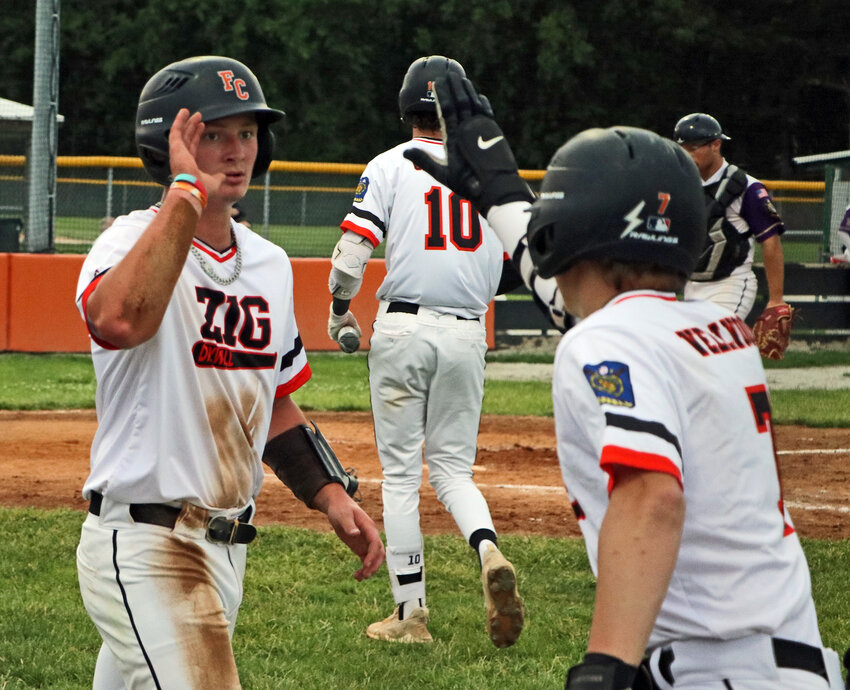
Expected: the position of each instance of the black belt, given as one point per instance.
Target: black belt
(788, 654)
(410, 308)
(219, 529)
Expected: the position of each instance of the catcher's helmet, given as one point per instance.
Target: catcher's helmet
(623, 193)
(416, 95)
(696, 127)
(217, 87)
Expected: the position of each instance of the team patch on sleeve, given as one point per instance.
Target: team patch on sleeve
(611, 383)
(361, 189)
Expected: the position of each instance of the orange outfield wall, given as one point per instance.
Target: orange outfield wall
(38, 314)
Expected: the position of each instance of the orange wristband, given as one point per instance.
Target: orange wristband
(191, 189)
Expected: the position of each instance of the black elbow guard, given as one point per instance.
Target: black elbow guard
(302, 459)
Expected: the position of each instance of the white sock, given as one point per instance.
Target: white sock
(482, 548)
(405, 607)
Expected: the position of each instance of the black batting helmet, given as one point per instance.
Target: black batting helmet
(623, 193)
(697, 127)
(217, 87)
(416, 95)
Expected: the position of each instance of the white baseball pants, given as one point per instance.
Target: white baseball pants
(737, 292)
(426, 375)
(164, 601)
(748, 663)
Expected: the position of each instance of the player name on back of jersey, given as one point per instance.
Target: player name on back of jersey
(728, 334)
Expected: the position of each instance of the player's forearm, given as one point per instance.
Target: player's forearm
(510, 222)
(774, 269)
(127, 306)
(638, 548)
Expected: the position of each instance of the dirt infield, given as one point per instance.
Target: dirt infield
(44, 461)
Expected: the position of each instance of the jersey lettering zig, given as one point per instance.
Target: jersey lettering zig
(440, 253)
(184, 416)
(678, 387)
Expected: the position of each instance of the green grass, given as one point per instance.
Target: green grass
(75, 235)
(340, 383)
(46, 381)
(301, 624)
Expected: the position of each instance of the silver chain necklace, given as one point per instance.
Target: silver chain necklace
(209, 269)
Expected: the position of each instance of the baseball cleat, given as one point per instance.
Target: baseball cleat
(504, 605)
(412, 629)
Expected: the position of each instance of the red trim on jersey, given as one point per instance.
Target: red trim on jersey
(427, 140)
(618, 455)
(221, 258)
(653, 295)
(787, 529)
(363, 232)
(84, 299)
(294, 383)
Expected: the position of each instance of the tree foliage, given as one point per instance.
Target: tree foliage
(774, 73)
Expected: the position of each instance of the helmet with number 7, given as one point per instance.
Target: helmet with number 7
(621, 193)
(214, 85)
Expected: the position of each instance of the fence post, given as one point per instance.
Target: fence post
(266, 203)
(109, 179)
(43, 144)
(829, 180)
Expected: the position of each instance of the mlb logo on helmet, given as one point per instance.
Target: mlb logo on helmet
(429, 94)
(658, 224)
(231, 83)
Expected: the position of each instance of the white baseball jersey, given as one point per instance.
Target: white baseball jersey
(440, 253)
(678, 387)
(184, 416)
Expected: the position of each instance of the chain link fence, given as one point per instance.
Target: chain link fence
(296, 205)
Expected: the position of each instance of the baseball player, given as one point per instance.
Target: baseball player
(662, 415)
(740, 213)
(843, 234)
(426, 361)
(196, 352)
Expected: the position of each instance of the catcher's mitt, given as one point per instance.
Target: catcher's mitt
(772, 330)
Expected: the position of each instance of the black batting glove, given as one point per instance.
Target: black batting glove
(605, 672)
(479, 165)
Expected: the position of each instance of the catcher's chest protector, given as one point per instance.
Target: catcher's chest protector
(726, 248)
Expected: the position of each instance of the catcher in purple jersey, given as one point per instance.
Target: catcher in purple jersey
(740, 213)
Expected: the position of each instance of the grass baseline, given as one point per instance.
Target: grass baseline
(303, 616)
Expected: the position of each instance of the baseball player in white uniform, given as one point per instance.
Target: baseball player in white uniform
(843, 240)
(196, 352)
(426, 358)
(740, 213)
(662, 417)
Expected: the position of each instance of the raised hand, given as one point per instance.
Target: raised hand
(479, 165)
(183, 140)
